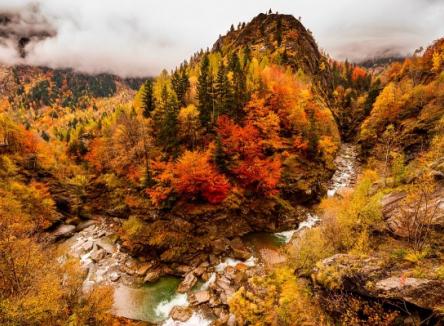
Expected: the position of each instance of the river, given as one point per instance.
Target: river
(100, 255)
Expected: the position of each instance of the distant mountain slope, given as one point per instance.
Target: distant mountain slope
(40, 86)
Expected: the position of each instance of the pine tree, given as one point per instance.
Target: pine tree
(180, 84)
(313, 138)
(220, 158)
(221, 92)
(204, 90)
(147, 180)
(239, 87)
(169, 127)
(148, 102)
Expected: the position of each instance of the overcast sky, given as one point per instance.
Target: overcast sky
(141, 37)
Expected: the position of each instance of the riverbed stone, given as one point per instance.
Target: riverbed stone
(152, 276)
(181, 314)
(188, 282)
(97, 255)
(202, 268)
(240, 251)
(88, 245)
(114, 276)
(106, 245)
(220, 245)
(183, 269)
(64, 231)
(143, 269)
(199, 297)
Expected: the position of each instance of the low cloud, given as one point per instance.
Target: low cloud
(141, 37)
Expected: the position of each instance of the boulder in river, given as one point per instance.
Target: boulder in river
(199, 297)
(201, 269)
(240, 251)
(143, 269)
(188, 282)
(152, 276)
(181, 314)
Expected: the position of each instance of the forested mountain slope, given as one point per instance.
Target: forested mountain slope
(238, 139)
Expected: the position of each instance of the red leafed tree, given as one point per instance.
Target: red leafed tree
(30, 141)
(244, 141)
(193, 177)
(260, 175)
(253, 170)
(358, 73)
(98, 154)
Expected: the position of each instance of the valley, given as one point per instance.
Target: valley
(259, 182)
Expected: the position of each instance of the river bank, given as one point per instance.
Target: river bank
(141, 292)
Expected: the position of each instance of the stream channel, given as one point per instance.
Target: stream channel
(100, 255)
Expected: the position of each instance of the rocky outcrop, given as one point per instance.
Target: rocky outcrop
(424, 293)
(372, 278)
(394, 210)
(185, 240)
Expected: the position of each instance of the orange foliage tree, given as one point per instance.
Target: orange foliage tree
(252, 168)
(358, 73)
(192, 177)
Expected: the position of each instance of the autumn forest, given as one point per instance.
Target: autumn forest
(259, 182)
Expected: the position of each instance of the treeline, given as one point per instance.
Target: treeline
(232, 116)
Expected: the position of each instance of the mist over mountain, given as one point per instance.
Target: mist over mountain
(139, 38)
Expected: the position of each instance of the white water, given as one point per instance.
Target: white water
(210, 282)
(342, 178)
(164, 308)
(311, 221)
(250, 262)
(346, 169)
(195, 320)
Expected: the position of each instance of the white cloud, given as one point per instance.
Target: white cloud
(140, 37)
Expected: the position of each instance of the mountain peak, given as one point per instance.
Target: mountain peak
(281, 37)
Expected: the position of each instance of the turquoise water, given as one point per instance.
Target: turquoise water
(150, 303)
(264, 240)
